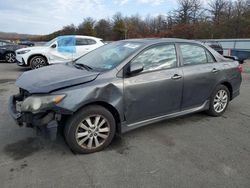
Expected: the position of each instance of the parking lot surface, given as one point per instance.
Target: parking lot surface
(192, 151)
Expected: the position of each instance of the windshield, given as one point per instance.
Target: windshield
(50, 42)
(109, 56)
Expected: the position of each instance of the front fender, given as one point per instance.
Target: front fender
(93, 92)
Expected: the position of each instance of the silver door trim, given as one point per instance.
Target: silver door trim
(128, 127)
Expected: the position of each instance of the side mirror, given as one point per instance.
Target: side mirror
(53, 46)
(135, 68)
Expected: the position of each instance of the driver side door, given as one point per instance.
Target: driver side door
(157, 90)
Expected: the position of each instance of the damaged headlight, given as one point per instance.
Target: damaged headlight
(38, 103)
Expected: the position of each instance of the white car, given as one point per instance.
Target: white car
(59, 50)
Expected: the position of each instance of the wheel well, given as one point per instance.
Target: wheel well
(229, 87)
(111, 109)
(8, 52)
(36, 55)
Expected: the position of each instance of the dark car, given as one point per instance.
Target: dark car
(125, 85)
(215, 45)
(7, 51)
(26, 43)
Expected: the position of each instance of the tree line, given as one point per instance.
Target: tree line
(192, 19)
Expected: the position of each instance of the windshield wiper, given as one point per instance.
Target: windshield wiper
(79, 65)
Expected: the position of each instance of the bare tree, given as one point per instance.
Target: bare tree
(217, 9)
(188, 11)
(220, 19)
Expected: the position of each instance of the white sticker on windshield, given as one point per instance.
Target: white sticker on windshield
(133, 46)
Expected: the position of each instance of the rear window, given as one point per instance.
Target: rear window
(90, 41)
(81, 42)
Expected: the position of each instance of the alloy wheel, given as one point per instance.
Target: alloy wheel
(10, 57)
(220, 101)
(92, 132)
(38, 62)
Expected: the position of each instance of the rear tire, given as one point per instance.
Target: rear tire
(38, 62)
(90, 130)
(219, 101)
(10, 57)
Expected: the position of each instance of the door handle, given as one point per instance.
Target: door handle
(214, 70)
(176, 77)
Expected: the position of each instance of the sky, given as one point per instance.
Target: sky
(47, 16)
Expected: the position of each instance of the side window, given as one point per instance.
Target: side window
(66, 41)
(66, 44)
(90, 41)
(3, 43)
(158, 57)
(81, 42)
(193, 54)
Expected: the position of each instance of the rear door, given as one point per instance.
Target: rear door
(82, 47)
(201, 74)
(158, 89)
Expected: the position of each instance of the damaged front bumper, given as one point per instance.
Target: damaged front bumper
(27, 118)
(46, 118)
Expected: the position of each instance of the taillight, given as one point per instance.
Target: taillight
(240, 68)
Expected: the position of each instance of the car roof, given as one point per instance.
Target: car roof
(149, 41)
(152, 41)
(81, 36)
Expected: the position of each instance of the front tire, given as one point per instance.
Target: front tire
(10, 57)
(37, 62)
(90, 130)
(219, 101)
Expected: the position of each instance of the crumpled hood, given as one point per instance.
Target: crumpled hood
(50, 78)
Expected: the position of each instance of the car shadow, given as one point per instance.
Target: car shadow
(18, 68)
(120, 144)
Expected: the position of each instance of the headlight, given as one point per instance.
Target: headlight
(38, 103)
(23, 52)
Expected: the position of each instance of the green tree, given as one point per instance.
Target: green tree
(103, 29)
(119, 27)
(87, 27)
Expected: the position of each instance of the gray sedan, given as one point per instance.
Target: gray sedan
(125, 85)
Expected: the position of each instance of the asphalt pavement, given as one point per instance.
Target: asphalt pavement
(191, 151)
